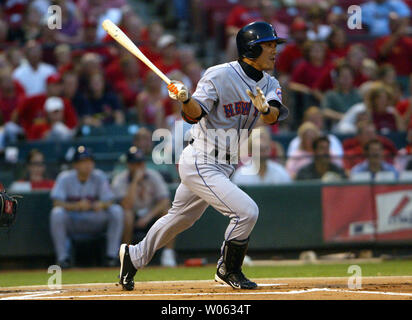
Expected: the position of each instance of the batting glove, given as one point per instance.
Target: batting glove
(178, 91)
(259, 100)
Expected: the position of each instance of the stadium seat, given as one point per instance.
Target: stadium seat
(385, 176)
(361, 177)
(405, 176)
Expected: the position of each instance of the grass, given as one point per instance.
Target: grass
(74, 276)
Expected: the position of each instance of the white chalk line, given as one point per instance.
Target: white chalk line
(42, 295)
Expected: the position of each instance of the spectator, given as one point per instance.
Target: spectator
(246, 11)
(169, 60)
(33, 73)
(379, 103)
(150, 105)
(374, 162)
(32, 110)
(11, 95)
(149, 48)
(376, 13)
(71, 31)
(306, 74)
(302, 156)
(143, 141)
(125, 77)
(63, 58)
(321, 167)
(404, 155)
(314, 115)
(261, 170)
(104, 106)
(292, 53)
(353, 147)
(14, 56)
(53, 128)
(355, 58)
(404, 106)
(396, 48)
(318, 30)
(337, 102)
(145, 198)
(83, 206)
(338, 46)
(72, 93)
(90, 63)
(35, 178)
(31, 24)
(268, 12)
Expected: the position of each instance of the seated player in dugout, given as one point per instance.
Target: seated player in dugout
(145, 197)
(231, 95)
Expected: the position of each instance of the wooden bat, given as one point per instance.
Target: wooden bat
(125, 41)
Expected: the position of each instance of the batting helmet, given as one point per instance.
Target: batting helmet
(249, 37)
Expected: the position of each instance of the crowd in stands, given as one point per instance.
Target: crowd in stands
(348, 91)
(336, 80)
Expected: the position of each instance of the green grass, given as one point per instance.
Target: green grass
(72, 276)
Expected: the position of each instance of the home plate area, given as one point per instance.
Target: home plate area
(328, 288)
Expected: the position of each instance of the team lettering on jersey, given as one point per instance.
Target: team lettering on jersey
(236, 108)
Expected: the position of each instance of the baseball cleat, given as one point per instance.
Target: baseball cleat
(237, 280)
(127, 270)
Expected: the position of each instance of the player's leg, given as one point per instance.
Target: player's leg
(186, 209)
(59, 224)
(115, 223)
(213, 185)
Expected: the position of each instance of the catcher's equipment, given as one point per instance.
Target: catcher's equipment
(8, 209)
(249, 37)
(178, 91)
(230, 269)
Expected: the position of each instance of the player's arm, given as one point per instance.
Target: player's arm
(269, 110)
(192, 112)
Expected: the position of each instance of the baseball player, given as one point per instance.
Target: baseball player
(230, 96)
(83, 204)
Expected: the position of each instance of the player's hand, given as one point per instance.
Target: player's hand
(98, 206)
(258, 100)
(178, 91)
(84, 205)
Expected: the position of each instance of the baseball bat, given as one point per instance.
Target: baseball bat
(118, 35)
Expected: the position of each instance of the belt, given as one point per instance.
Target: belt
(227, 157)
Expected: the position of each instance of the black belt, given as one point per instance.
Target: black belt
(216, 152)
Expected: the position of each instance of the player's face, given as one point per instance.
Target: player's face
(84, 167)
(266, 60)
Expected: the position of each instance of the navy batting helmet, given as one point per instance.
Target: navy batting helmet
(249, 37)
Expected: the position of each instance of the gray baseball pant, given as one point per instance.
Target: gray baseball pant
(66, 224)
(202, 184)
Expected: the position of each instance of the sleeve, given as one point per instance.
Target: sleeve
(274, 98)
(206, 93)
(59, 191)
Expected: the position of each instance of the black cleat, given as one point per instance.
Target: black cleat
(127, 270)
(236, 280)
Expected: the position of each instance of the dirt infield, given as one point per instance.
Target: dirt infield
(372, 288)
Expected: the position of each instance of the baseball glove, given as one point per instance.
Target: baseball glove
(8, 209)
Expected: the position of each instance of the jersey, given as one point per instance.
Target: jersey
(68, 188)
(230, 113)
